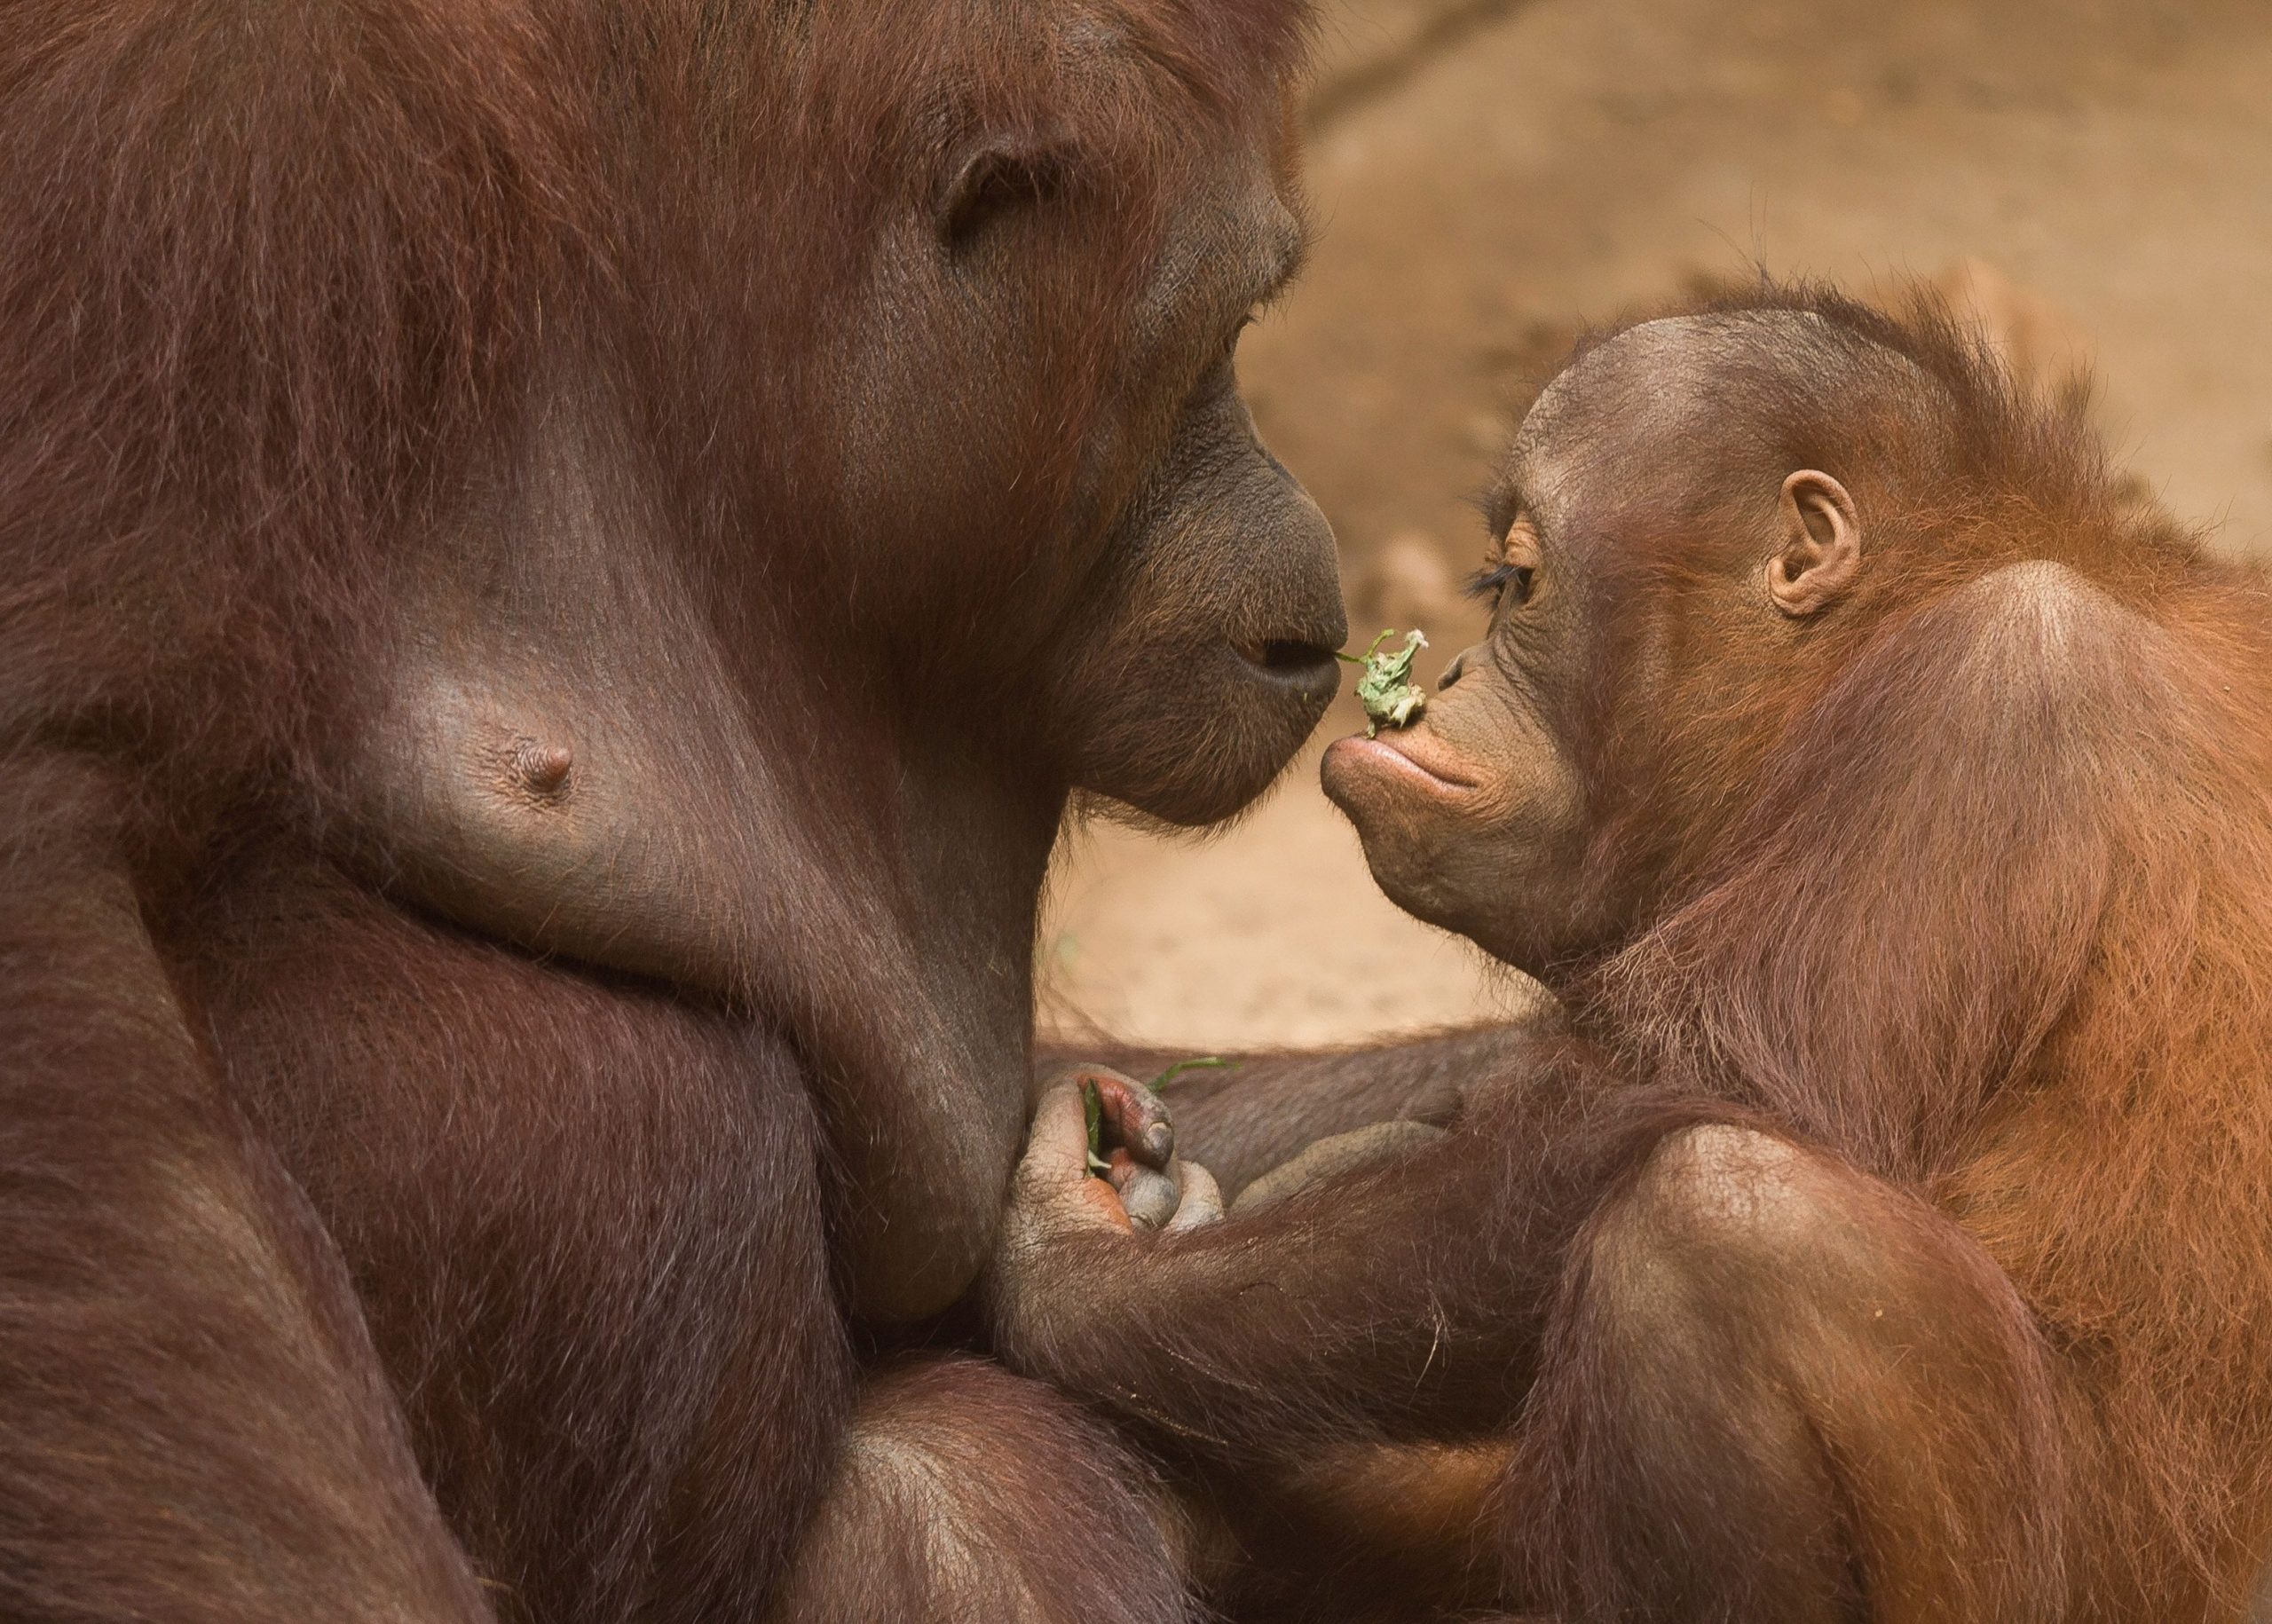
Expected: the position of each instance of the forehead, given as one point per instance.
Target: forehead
(1652, 397)
(1636, 387)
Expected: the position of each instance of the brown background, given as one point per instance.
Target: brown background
(1490, 174)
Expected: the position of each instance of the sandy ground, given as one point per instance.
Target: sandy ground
(1488, 175)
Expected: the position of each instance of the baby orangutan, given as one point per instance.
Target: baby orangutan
(1878, 1231)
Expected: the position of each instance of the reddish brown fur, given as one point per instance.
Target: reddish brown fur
(351, 1264)
(2063, 1037)
(1960, 904)
(274, 284)
(962, 1463)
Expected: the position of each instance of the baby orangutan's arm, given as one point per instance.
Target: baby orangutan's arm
(1402, 1299)
(1261, 1110)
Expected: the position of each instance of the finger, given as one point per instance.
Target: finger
(1057, 1140)
(1053, 1187)
(1134, 1116)
(1056, 1159)
(1148, 1197)
(1438, 1106)
(1203, 1198)
(1341, 1156)
(1099, 1201)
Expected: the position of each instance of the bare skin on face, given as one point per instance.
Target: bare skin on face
(1476, 818)
(580, 750)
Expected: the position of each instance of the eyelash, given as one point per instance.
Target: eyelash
(1493, 580)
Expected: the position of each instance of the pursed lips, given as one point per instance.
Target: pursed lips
(1386, 752)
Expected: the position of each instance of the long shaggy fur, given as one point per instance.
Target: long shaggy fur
(350, 1265)
(1992, 919)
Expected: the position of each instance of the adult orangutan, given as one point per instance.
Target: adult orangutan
(1881, 1233)
(558, 565)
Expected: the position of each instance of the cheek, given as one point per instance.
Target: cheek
(1525, 785)
(1472, 820)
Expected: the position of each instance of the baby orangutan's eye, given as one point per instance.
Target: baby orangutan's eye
(1492, 582)
(1513, 566)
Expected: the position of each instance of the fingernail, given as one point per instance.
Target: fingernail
(1159, 1140)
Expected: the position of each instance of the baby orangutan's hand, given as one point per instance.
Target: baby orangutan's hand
(1047, 1288)
(1146, 1186)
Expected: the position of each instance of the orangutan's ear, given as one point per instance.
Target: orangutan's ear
(1819, 544)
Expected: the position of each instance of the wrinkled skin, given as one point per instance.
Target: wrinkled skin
(1487, 816)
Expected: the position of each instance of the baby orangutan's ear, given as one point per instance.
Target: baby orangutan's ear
(1819, 544)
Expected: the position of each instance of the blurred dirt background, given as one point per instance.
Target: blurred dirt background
(1490, 175)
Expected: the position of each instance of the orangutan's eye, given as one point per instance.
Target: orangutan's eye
(1494, 581)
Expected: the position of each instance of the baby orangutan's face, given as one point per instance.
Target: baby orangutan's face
(1482, 817)
(1638, 513)
(1473, 816)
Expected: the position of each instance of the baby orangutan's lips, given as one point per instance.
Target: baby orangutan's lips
(1415, 756)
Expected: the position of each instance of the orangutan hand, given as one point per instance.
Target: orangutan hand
(1146, 1187)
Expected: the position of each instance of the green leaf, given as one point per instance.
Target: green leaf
(1386, 690)
(1205, 1062)
(1093, 1113)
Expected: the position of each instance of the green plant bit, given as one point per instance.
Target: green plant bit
(1386, 690)
(1093, 1113)
(1205, 1062)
